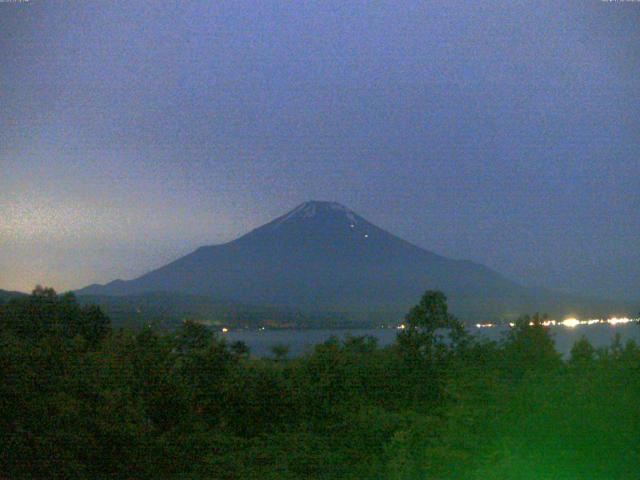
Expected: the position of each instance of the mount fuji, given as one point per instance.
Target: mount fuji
(323, 257)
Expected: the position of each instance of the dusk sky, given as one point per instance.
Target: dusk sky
(507, 133)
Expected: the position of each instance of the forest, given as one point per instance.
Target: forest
(81, 399)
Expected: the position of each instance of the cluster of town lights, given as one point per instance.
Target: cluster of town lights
(572, 322)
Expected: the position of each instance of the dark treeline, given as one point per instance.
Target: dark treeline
(80, 400)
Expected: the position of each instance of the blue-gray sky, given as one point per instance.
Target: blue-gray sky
(507, 133)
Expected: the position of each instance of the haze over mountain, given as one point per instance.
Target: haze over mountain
(321, 256)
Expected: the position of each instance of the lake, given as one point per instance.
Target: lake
(301, 341)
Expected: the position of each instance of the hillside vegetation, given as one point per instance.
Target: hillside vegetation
(82, 400)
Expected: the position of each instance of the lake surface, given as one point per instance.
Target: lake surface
(302, 341)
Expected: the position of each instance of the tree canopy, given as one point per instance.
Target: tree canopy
(79, 400)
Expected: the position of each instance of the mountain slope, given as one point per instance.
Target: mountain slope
(323, 256)
(5, 295)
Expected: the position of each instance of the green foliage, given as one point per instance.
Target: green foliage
(192, 336)
(530, 347)
(44, 313)
(429, 344)
(426, 324)
(79, 401)
(582, 353)
(280, 352)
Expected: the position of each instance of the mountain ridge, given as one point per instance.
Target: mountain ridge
(323, 256)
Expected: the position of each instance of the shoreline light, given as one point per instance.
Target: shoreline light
(570, 322)
(616, 321)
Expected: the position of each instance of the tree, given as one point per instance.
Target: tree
(530, 346)
(582, 352)
(46, 314)
(426, 321)
(360, 345)
(240, 349)
(280, 351)
(94, 325)
(44, 293)
(431, 340)
(192, 335)
(430, 313)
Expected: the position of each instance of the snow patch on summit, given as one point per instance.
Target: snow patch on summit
(311, 209)
(289, 215)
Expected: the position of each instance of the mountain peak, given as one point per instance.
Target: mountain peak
(316, 208)
(321, 205)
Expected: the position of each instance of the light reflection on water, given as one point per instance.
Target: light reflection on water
(301, 341)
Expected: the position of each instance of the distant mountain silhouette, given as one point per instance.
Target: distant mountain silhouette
(322, 256)
(5, 295)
